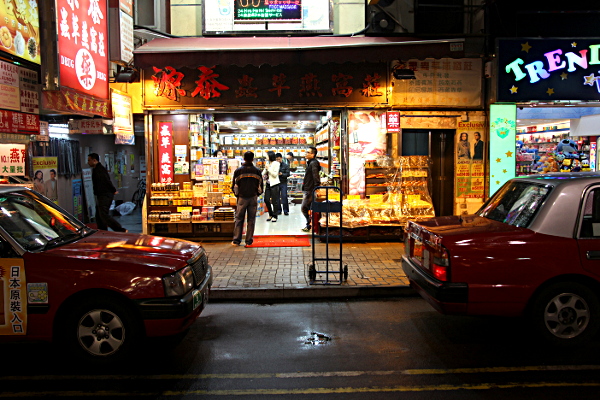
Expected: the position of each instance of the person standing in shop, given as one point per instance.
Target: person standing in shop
(272, 190)
(312, 179)
(284, 173)
(249, 184)
(289, 159)
(105, 192)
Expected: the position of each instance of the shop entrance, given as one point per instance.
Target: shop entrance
(438, 144)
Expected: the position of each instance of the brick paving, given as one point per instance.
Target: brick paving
(370, 265)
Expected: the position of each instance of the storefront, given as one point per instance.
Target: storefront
(547, 93)
(351, 107)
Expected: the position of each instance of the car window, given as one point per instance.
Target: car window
(516, 203)
(590, 224)
(32, 221)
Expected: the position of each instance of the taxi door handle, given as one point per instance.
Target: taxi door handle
(593, 255)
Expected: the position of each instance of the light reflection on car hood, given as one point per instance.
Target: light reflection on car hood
(129, 248)
(465, 224)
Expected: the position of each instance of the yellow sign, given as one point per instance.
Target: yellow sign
(413, 198)
(182, 209)
(353, 197)
(376, 198)
(13, 297)
(334, 197)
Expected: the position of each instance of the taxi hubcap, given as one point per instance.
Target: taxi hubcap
(567, 315)
(101, 332)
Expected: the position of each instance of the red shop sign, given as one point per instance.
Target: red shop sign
(17, 122)
(83, 46)
(393, 121)
(165, 151)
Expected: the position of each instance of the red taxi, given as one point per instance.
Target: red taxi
(533, 249)
(97, 293)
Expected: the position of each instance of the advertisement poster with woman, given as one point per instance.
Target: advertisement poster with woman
(45, 177)
(469, 166)
(367, 141)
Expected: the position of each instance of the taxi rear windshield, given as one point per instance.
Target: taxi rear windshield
(516, 203)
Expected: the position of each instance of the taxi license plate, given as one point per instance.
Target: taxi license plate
(197, 295)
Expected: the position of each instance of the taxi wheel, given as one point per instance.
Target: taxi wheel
(101, 330)
(566, 314)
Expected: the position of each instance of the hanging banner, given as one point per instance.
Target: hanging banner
(45, 177)
(503, 131)
(165, 152)
(12, 159)
(123, 118)
(13, 297)
(469, 169)
(75, 102)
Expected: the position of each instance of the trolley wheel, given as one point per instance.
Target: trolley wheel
(312, 272)
(345, 272)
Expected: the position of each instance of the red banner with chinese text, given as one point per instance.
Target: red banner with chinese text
(165, 151)
(75, 102)
(18, 122)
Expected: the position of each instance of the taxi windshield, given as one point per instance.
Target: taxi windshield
(516, 203)
(34, 222)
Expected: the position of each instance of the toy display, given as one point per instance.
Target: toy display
(564, 157)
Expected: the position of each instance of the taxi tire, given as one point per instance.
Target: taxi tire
(579, 297)
(116, 315)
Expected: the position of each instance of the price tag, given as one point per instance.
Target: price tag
(181, 209)
(353, 197)
(376, 198)
(334, 197)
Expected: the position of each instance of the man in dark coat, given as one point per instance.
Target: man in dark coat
(105, 192)
(284, 174)
(312, 179)
(247, 185)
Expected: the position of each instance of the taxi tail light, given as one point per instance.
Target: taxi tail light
(441, 264)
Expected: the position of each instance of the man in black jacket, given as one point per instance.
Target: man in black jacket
(312, 179)
(105, 192)
(284, 174)
(247, 185)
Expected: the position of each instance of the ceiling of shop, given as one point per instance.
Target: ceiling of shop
(248, 127)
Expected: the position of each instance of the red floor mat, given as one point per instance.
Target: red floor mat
(281, 241)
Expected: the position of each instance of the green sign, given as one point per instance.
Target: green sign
(503, 130)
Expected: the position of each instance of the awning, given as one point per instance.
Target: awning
(193, 51)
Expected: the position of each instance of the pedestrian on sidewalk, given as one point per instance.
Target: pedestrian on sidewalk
(312, 179)
(272, 191)
(105, 192)
(247, 185)
(284, 173)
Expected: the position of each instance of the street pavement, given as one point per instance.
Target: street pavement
(279, 273)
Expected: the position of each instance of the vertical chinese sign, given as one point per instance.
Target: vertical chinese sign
(469, 172)
(83, 46)
(12, 159)
(165, 152)
(503, 132)
(13, 297)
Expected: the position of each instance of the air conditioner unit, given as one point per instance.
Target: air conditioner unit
(390, 16)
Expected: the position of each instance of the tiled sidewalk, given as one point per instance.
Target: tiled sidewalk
(258, 270)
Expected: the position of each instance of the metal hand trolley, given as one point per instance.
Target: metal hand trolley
(326, 207)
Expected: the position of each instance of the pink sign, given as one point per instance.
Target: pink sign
(83, 46)
(165, 151)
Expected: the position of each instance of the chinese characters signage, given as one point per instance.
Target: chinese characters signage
(440, 82)
(12, 159)
(392, 119)
(121, 34)
(16, 122)
(13, 297)
(30, 93)
(548, 69)
(165, 151)
(83, 45)
(20, 29)
(267, 10)
(339, 84)
(75, 102)
(469, 163)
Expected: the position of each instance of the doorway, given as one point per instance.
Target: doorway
(438, 144)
